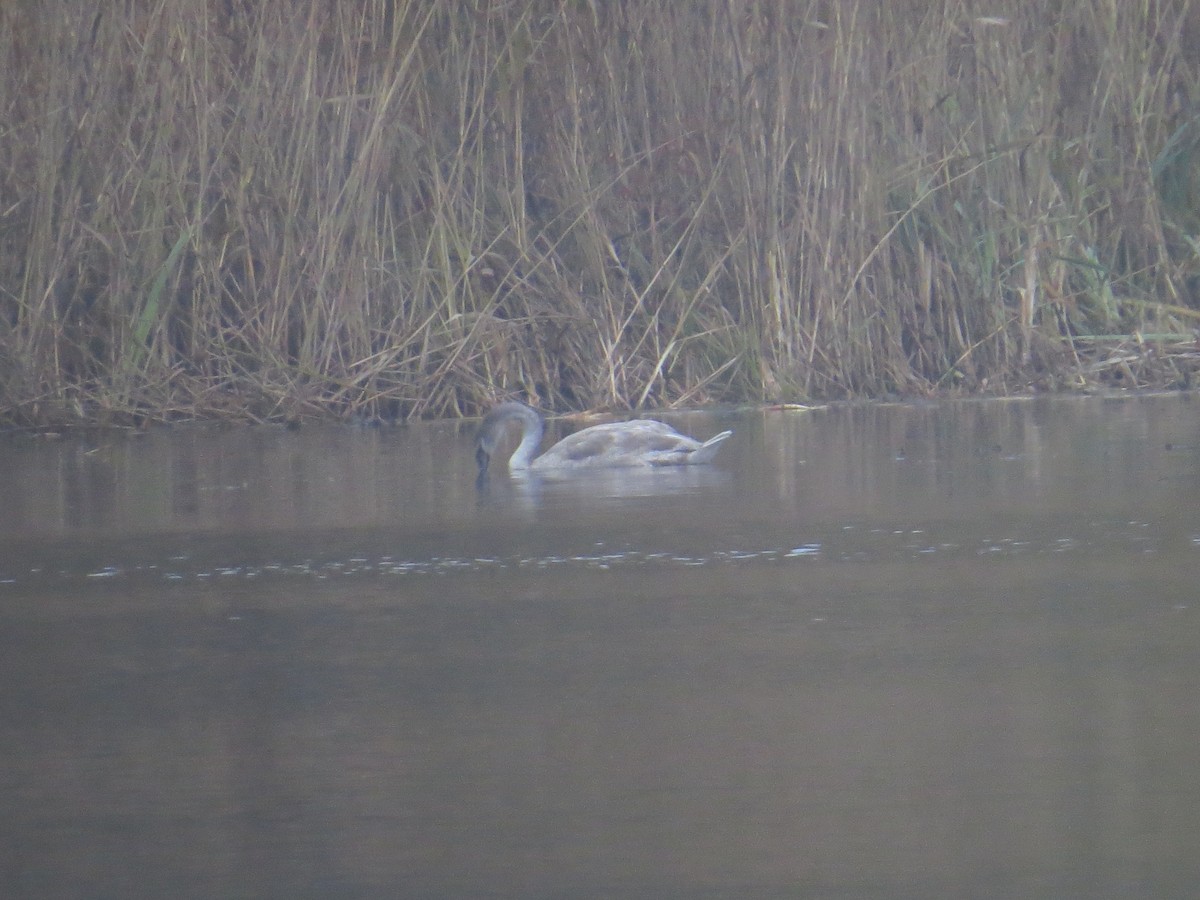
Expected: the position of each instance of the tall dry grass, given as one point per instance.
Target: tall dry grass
(381, 207)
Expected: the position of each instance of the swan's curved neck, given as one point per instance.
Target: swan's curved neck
(532, 429)
(531, 438)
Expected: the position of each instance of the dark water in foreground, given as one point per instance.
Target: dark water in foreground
(937, 651)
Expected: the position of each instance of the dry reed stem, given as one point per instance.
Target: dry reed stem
(391, 208)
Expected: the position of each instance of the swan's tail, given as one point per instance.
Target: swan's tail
(706, 451)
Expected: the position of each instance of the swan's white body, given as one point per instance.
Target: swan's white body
(641, 442)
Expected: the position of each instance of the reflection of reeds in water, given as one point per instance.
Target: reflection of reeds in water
(388, 208)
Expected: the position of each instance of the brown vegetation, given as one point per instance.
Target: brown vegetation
(380, 207)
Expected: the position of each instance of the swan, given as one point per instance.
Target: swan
(640, 442)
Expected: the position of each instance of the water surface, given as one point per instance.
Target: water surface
(884, 651)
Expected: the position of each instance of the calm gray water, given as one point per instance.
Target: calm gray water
(891, 651)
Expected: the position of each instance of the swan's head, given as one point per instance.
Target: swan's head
(483, 456)
(490, 432)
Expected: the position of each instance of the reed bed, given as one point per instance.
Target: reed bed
(275, 211)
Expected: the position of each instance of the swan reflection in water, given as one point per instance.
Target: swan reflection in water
(639, 443)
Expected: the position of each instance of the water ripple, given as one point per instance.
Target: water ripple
(849, 545)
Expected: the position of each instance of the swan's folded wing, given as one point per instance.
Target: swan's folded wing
(641, 442)
(617, 444)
